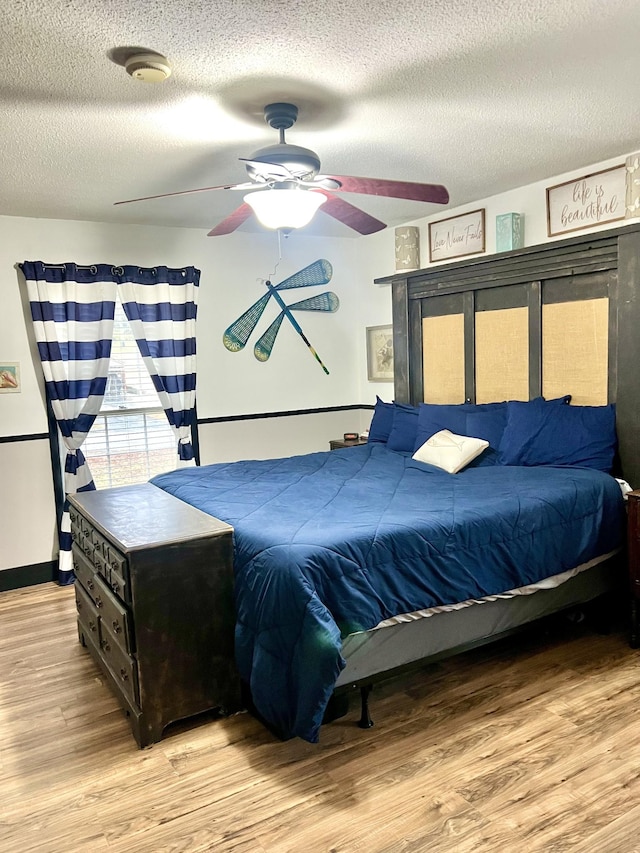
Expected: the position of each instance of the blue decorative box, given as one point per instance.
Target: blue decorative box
(509, 232)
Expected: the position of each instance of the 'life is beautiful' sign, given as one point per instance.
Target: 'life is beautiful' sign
(457, 236)
(587, 201)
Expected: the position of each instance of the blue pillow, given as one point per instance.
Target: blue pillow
(433, 417)
(479, 420)
(404, 428)
(544, 434)
(488, 424)
(381, 422)
(558, 400)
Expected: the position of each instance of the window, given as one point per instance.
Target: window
(131, 439)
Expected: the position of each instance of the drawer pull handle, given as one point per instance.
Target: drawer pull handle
(116, 626)
(123, 675)
(105, 645)
(90, 584)
(115, 586)
(92, 625)
(98, 601)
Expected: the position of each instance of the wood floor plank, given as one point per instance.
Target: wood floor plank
(532, 743)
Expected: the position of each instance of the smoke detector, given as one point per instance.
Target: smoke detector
(148, 67)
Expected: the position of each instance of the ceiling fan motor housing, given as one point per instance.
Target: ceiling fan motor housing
(299, 161)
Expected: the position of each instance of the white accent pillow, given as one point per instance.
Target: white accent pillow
(449, 451)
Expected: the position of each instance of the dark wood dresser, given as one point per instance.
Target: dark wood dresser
(154, 594)
(633, 556)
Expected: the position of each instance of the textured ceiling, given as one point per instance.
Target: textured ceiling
(479, 95)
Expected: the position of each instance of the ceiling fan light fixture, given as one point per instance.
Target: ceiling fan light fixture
(285, 207)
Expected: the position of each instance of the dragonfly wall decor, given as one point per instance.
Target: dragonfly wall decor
(239, 332)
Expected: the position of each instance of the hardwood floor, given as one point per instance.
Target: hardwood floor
(529, 745)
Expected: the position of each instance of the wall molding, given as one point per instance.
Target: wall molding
(35, 436)
(44, 436)
(223, 419)
(28, 575)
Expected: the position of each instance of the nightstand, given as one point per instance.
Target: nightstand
(633, 558)
(337, 443)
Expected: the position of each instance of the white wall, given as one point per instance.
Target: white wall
(228, 383)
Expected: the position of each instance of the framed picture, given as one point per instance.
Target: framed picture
(380, 353)
(587, 201)
(9, 377)
(457, 236)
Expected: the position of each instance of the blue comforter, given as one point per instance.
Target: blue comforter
(331, 543)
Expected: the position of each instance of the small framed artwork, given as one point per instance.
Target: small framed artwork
(380, 353)
(457, 236)
(9, 377)
(587, 201)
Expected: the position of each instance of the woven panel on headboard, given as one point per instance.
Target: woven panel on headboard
(575, 345)
(443, 358)
(502, 355)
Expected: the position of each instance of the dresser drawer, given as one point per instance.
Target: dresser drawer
(84, 570)
(99, 544)
(111, 611)
(123, 667)
(117, 619)
(119, 585)
(84, 545)
(87, 614)
(98, 552)
(115, 569)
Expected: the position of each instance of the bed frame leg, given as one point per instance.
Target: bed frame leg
(365, 721)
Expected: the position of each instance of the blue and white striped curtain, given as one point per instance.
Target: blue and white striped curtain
(161, 306)
(72, 309)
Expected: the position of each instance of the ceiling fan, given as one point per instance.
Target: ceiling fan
(285, 188)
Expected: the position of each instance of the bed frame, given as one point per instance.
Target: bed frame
(557, 318)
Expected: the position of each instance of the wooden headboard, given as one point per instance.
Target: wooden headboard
(558, 318)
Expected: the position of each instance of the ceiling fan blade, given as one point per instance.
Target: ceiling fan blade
(233, 221)
(246, 186)
(350, 215)
(435, 193)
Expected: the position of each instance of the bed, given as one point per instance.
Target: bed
(331, 545)
(352, 563)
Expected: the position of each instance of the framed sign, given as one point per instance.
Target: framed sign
(380, 353)
(457, 236)
(587, 201)
(9, 377)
